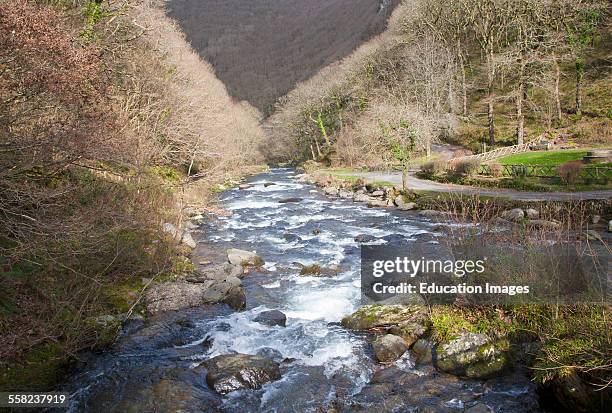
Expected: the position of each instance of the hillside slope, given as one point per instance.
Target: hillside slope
(261, 49)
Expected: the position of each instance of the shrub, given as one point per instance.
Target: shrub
(569, 172)
(468, 167)
(496, 169)
(433, 168)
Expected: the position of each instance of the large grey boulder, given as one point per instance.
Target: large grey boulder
(231, 372)
(346, 194)
(389, 348)
(422, 350)
(472, 355)
(331, 191)
(178, 295)
(244, 258)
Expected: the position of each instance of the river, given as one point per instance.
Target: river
(151, 368)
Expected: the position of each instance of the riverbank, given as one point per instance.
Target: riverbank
(297, 329)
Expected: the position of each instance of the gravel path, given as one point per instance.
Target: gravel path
(425, 185)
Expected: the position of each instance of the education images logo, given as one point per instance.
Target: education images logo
(384, 275)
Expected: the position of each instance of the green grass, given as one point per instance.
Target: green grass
(544, 157)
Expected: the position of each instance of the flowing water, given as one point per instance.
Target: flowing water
(152, 367)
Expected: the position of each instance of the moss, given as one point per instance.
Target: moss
(371, 316)
(43, 368)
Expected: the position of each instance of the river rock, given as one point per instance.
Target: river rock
(291, 237)
(362, 197)
(316, 270)
(471, 355)
(377, 203)
(402, 204)
(267, 184)
(178, 295)
(364, 238)
(532, 213)
(244, 186)
(290, 200)
(408, 331)
(217, 272)
(376, 315)
(231, 372)
(389, 348)
(422, 350)
(244, 258)
(378, 193)
(514, 215)
(610, 226)
(272, 318)
(331, 191)
(179, 235)
(346, 194)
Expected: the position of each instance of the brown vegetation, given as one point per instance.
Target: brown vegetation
(110, 125)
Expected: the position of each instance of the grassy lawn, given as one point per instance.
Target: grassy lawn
(544, 157)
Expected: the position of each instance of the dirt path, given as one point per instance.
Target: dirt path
(425, 185)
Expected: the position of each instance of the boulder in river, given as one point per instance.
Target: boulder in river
(377, 203)
(376, 315)
(244, 186)
(331, 191)
(422, 350)
(404, 205)
(472, 355)
(231, 372)
(178, 295)
(267, 184)
(362, 197)
(389, 348)
(290, 200)
(316, 270)
(272, 318)
(244, 258)
(346, 194)
(364, 238)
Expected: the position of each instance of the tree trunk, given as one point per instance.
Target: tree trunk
(323, 130)
(318, 147)
(520, 95)
(579, 78)
(463, 86)
(405, 178)
(557, 92)
(314, 158)
(490, 78)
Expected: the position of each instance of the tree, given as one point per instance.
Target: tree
(401, 147)
(488, 20)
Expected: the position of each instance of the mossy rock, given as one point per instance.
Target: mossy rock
(106, 328)
(376, 315)
(472, 355)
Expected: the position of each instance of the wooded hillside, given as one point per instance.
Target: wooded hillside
(463, 71)
(261, 48)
